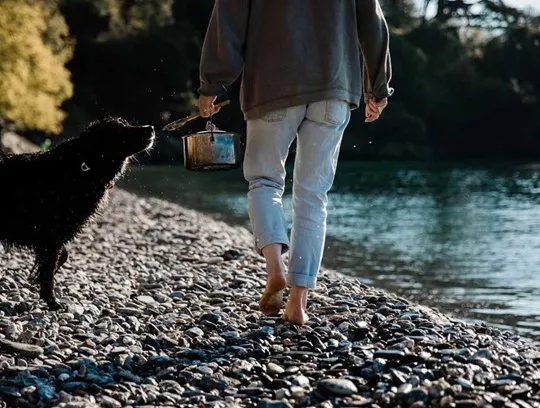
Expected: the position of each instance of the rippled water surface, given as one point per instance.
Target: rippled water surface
(463, 238)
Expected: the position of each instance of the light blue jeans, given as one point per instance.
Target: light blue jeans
(319, 130)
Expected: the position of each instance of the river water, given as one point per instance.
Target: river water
(464, 238)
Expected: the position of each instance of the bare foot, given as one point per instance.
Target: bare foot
(295, 310)
(272, 298)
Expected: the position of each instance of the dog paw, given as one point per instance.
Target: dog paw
(54, 305)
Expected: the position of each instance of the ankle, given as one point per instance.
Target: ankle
(272, 250)
(298, 295)
(274, 261)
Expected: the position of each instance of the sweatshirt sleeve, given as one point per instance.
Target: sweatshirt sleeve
(374, 43)
(222, 57)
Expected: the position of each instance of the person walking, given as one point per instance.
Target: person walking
(305, 65)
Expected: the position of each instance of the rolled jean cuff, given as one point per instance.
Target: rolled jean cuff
(263, 242)
(302, 280)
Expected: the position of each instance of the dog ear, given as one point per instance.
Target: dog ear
(107, 120)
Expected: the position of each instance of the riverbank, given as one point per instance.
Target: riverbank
(457, 237)
(162, 311)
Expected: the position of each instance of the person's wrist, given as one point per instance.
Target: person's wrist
(211, 90)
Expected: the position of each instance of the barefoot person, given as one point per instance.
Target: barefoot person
(303, 64)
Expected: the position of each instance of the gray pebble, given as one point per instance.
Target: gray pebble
(337, 387)
(109, 402)
(274, 369)
(20, 348)
(195, 332)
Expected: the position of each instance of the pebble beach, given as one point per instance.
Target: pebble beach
(162, 311)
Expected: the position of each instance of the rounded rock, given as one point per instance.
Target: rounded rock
(336, 387)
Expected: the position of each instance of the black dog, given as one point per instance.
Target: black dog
(47, 198)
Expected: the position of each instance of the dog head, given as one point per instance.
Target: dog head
(116, 137)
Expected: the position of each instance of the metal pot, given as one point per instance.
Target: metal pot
(212, 150)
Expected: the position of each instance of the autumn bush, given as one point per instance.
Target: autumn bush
(34, 48)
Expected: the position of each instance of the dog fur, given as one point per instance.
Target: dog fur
(47, 198)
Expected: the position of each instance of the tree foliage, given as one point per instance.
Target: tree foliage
(34, 46)
(103, 19)
(465, 74)
(461, 91)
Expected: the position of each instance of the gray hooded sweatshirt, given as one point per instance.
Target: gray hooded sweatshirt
(296, 52)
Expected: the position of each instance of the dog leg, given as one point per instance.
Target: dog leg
(63, 258)
(34, 275)
(47, 262)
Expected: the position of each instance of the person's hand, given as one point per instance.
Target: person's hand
(374, 109)
(206, 106)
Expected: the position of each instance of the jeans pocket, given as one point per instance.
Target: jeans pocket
(337, 112)
(275, 116)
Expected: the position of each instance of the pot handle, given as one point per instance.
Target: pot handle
(177, 124)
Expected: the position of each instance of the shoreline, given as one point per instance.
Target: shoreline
(162, 311)
(357, 258)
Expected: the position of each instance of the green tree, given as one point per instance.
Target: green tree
(34, 46)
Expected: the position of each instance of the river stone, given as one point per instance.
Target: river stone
(301, 381)
(464, 383)
(274, 369)
(109, 402)
(404, 389)
(418, 394)
(75, 309)
(130, 311)
(126, 350)
(336, 386)
(195, 332)
(266, 403)
(64, 377)
(22, 349)
(466, 403)
(146, 299)
(389, 354)
(482, 353)
(205, 370)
